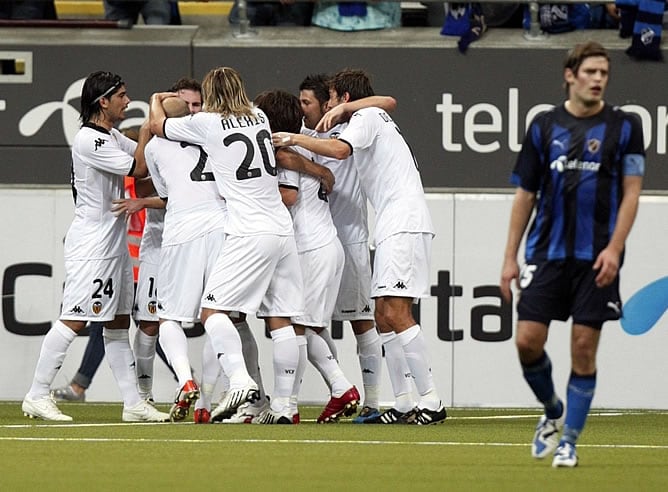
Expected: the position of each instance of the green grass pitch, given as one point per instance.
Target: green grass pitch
(475, 449)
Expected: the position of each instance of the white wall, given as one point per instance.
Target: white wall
(471, 232)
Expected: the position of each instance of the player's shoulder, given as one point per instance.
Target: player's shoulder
(619, 112)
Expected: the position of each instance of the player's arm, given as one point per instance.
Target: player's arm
(520, 214)
(330, 147)
(140, 169)
(289, 159)
(607, 262)
(344, 111)
(144, 187)
(157, 114)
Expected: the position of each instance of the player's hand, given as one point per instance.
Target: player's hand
(126, 206)
(333, 117)
(327, 180)
(282, 139)
(510, 271)
(161, 96)
(607, 264)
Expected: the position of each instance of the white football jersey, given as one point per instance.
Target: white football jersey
(100, 161)
(347, 202)
(388, 172)
(244, 166)
(310, 213)
(182, 174)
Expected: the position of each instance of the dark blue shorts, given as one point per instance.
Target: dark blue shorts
(558, 290)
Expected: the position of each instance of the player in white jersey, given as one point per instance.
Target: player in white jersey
(258, 269)
(388, 172)
(321, 258)
(348, 206)
(98, 273)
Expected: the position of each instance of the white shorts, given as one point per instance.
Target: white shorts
(146, 295)
(401, 266)
(257, 275)
(321, 271)
(184, 271)
(97, 290)
(354, 300)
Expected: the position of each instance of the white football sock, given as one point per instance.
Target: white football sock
(122, 362)
(249, 349)
(417, 357)
(286, 360)
(51, 356)
(399, 372)
(210, 371)
(227, 345)
(175, 345)
(144, 350)
(324, 361)
(327, 337)
(370, 353)
(299, 374)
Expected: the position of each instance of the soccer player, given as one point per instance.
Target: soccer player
(190, 90)
(348, 206)
(580, 169)
(321, 257)
(98, 273)
(258, 270)
(403, 234)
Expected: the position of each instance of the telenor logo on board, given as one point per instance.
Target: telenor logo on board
(645, 307)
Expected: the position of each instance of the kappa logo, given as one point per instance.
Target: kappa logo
(400, 285)
(210, 298)
(366, 309)
(76, 310)
(366, 370)
(99, 142)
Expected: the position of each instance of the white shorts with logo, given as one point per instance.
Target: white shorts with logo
(354, 299)
(321, 271)
(97, 290)
(184, 271)
(146, 295)
(257, 275)
(401, 266)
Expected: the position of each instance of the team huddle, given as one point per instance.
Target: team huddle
(265, 214)
(255, 222)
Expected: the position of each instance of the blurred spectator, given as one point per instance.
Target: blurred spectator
(604, 16)
(556, 18)
(154, 12)
(276, 13)
(27, 9)
(357, 16)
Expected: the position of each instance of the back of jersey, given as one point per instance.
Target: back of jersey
(182, 173)
(244, 166)
(388, 172)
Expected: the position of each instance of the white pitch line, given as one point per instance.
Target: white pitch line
(481, 417)
(313, 441)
